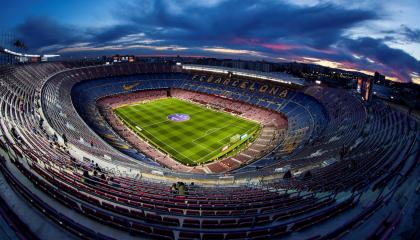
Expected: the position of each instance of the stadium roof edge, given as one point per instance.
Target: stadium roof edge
(272, 76)
(7, 51)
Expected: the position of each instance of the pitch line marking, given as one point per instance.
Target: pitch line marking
(198, 144)
(156, 123)
(166, 144)
(213, 130)
(210, 152)
(160, 141)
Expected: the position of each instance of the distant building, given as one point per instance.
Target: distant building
(123, 58)
(379, 78)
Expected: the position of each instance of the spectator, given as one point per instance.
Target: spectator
(181, 188)
(97, 168)
(94, 178)
(287, 175)
(64, 139)
(86, 177)
(174, 189)
(112, 183)
(15, 134)
(103, 178)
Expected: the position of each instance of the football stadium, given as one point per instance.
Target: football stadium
(104, 138)
(207, 134)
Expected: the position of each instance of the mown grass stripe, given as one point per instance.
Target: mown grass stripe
(192, 142)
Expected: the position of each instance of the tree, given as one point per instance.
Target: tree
(19, 44)
(287, 175)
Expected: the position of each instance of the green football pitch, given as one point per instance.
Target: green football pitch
(190, 133)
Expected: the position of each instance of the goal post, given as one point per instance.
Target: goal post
(235, 138)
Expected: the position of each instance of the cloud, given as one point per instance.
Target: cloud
(270, 21)
(215, 23)
(412, 35)
(90, 48)
(266, 29)
(394, 62)
(402, 35)
(112, 33)
(38, 32)
(234, 52)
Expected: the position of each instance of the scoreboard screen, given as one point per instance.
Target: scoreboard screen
(243, 136)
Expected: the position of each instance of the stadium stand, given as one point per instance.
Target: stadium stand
(332, 165)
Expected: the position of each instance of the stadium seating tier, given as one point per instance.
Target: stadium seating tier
(337, 166)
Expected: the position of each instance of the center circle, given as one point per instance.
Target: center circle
(179, 117)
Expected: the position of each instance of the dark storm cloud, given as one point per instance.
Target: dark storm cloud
(259, 29)
(108, 34)
(318, 26)
(38, 32)
(195, 24)
(402, 35)
(413, 35)
(401, 64)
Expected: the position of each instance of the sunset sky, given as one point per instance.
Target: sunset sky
(358, 35)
